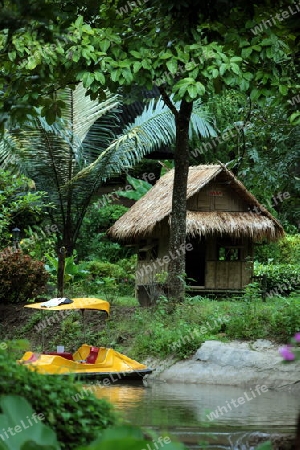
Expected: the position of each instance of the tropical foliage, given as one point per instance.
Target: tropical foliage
(199, 51)
(20, 204)
(73, 157)
(261, 147)
(40, 436)
(139, 188)
(93, 242)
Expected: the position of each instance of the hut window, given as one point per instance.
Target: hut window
(142, 252)
(142, 255)
(154, 252)
(229, 254)
(148, 251)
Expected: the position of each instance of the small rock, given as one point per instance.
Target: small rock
(261, 344)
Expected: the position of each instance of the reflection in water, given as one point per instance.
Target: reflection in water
(183, 410)
(123, 396)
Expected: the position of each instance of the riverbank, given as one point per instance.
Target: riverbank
(202, 341)
(195, 347)
(233, 363)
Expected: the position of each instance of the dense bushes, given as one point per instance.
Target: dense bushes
(284, 251)
(93, 242)
(21, 276)
(75, 420)
(113, 277)
(39, 436)
(20, 204)
(280, 279)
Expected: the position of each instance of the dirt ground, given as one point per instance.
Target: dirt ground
(12, 318)
(17, 322)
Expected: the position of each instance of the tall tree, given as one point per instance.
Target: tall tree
(189, 49)
(196, 50)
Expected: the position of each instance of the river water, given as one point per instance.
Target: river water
(183, 411)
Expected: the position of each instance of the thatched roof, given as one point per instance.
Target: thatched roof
(148, 213)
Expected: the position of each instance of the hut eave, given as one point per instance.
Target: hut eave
(236, 224)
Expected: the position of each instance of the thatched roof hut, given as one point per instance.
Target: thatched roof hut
(147, 217)
(224, 220)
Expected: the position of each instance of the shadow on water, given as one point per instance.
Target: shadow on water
(185, 411)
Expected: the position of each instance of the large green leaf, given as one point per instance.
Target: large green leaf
(22, 429)
(128, 437)
(140, 187)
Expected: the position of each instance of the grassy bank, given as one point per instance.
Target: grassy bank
(141, 332)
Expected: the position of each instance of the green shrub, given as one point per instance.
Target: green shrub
(285, 319)
(101, 247)
(38, 436)
(21, 277)
(277, 319)
(20, 204)
(39, 241)
(289, 248)
(76, 419)
(113, 277)
(72, 272)
(280, 279)
(284, 251)
(93, 242)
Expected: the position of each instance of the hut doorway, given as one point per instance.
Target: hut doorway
(195, 263)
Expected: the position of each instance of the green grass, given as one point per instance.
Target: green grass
(126, 301)
(154, 331)
(142, 332)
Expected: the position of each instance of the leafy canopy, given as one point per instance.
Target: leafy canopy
(120, 44)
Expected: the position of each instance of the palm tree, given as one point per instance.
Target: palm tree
(71, 158)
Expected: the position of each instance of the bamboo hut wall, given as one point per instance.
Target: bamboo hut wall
(147, 271)
(216, 197)
(228, 274)
(150, 267)
(225, 274)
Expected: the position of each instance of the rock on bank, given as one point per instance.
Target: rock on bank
(236, 364)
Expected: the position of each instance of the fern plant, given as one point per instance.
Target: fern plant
(71, 158)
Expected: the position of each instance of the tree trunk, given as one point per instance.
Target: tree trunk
(176, 269)
(65, 249)
(61, 271)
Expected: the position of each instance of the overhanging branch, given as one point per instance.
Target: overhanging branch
(168, 101)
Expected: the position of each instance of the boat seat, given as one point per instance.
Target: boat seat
(92, 357)
(65, 355)
(34, 357)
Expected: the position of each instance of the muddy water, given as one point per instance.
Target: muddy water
(184, 410)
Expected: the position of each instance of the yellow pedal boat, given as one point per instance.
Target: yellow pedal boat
(87, 360)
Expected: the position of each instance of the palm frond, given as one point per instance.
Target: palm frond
(89, 123)
(80, 112)
(153, 128)
(200, 124)
(73, 157)
(9, 153)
